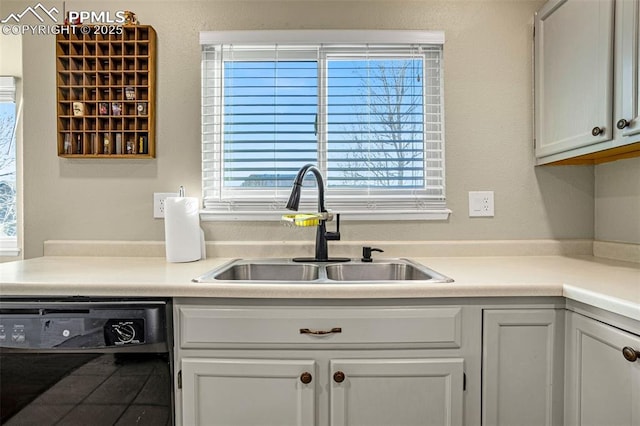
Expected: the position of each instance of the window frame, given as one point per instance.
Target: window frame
(8, 94)
(386, 206)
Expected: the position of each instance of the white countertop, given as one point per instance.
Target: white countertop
(607, 284)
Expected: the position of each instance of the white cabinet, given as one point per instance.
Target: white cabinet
(601, 386)
(396, 391)
(573, 63)
(221, 392)
(586, 81)
(325, 365)
(627, 72)
(522, 367)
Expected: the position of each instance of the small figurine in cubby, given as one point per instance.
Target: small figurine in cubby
(129, 93)
(142, 108)
(130, 18)
(105, 144)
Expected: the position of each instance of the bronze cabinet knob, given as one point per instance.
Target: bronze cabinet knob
(597, 131)
(338, 377)
(630, 354)
(622, 123)
(306, 377)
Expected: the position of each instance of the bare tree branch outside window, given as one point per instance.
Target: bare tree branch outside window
(379, 143)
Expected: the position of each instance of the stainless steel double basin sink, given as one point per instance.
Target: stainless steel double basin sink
(286, 271)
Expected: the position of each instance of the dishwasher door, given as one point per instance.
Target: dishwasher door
(98, 362)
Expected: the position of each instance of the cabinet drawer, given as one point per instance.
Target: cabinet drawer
(218, 326)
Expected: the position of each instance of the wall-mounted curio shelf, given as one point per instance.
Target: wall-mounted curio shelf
(106, 92)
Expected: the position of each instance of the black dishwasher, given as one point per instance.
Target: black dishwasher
(80, 361)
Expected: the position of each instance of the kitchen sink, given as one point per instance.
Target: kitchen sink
(268, 272)
(381, 271)
(355, 272)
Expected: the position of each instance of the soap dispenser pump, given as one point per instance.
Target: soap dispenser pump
(366, 253)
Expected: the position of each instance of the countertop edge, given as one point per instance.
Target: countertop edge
(606, 284)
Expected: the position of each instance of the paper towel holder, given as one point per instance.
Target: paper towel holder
(184, 238)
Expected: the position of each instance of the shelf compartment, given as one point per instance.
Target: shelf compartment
(76, 49)
(76, 64)
(64, 94)
(102, 49)
(115, 64)
(90, 109)
(129, 78)
(90, 83)
(129, 64)
(116, 49)
(142, 93)
(142, 49)
(142, 78)
(116, 79)
(104, 94)
(89, 49)
(142, 33)
(64, 124)
(62, 48)
(129, 33)
(75, 93)
(115, 123)
(142, 64)
(89, 64)
(129, 48)
(63, 78)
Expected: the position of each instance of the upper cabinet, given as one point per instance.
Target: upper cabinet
(627, 66)
(586, 81)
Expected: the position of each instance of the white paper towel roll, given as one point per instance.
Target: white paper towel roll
(182, 232)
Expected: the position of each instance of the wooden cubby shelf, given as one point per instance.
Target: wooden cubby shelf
(106, 92)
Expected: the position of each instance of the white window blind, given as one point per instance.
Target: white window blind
(369, 115)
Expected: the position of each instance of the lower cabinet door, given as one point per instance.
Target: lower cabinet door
(522, 367)
(602, 387)
(248, 392)
(399, 392)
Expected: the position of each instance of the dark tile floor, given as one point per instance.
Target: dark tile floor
(105, 391)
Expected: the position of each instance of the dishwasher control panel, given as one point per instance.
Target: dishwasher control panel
(80, 326)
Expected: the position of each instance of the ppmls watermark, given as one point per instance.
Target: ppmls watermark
(76, 22)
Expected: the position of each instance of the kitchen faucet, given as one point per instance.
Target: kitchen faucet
(322, 236)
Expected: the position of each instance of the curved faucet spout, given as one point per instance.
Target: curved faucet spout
(322, 235)
(294, 198)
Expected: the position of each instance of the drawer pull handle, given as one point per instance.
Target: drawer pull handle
(338, 377)
(597, 131)
(306, 377)
(320, 332)
(630, 354)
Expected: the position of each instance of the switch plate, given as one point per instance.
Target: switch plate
(158, 203)
(481, 204)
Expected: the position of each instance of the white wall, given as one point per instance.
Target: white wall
(488, 105)
(617, 201)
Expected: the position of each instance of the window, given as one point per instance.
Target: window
(8, 216)
(368, 113)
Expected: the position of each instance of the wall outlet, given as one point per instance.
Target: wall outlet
(481, 204)
(158, 203)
